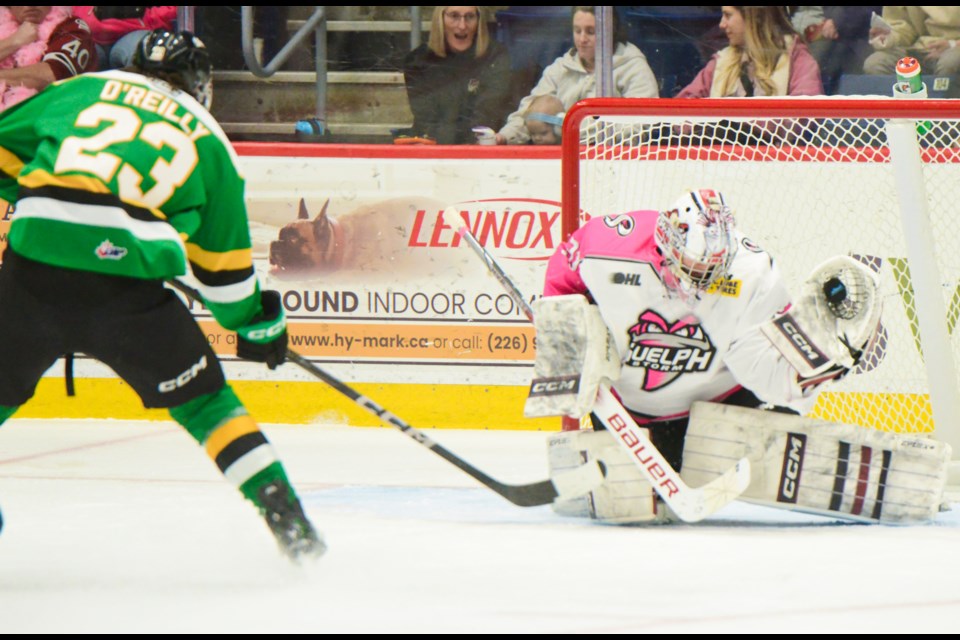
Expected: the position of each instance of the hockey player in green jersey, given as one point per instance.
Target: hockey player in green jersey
(123, 180)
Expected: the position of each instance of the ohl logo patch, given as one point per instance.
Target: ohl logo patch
(666, 350)
(106, 250)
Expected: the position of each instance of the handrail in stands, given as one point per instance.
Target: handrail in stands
(316, 23)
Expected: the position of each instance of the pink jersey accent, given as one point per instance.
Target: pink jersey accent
(629, 234)
(674, 354)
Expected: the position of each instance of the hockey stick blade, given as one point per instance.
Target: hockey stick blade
(689, 504)
(570, 484)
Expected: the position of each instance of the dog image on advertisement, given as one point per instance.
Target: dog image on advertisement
(372, 241)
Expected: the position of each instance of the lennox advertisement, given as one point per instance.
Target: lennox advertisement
(376, 284)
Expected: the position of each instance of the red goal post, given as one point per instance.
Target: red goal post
(808, 179)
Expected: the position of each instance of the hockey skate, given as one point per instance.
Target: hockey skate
(297, 538)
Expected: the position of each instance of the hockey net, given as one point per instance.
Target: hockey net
(809, 179)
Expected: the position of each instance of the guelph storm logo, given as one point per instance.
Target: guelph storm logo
(667, 350)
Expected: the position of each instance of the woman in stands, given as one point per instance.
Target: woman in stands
(571, 76)
(765, 57)
(459, 79)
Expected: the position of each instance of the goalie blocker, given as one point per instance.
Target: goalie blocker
(575, 353)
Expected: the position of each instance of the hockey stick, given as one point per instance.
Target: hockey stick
(565, 486)
(690, 504)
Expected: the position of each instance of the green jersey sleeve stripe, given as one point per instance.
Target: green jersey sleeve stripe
(210, 260)
(96, 216)
(10, 164)
(39, 178)
(220, 278)
(230, 293)
(66, 194)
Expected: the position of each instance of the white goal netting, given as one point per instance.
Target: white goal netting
(809, 179)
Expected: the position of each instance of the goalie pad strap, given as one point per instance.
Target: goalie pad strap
(816, 466)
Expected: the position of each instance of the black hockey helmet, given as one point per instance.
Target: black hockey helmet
(179, 57)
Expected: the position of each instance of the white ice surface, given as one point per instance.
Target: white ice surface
(116, 527)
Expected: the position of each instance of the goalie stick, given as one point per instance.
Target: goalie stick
(688, 503)
(568, 485)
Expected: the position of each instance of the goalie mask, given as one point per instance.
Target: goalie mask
(697, 240)
(179, 58)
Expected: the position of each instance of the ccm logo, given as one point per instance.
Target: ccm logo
(802, 343)
(637, 447)
(555, 386)
(183, 378)
(269, 332)
(792, 466)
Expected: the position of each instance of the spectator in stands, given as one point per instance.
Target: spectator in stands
(837, 39)
(544, 120)
(117, 30)
(39, 45)
(571, 76)
(928, 33)
(765, 57)
(459, 79)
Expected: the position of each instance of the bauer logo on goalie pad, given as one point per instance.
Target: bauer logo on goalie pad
(635, 439)
(792, 466)
(560, 385)
(803, 344)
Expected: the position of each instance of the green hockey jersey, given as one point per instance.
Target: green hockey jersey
(121, 174)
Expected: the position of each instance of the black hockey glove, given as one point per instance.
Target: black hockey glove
(264, 339)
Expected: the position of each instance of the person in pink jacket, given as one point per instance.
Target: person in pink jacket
(766, 57)
(117, 30)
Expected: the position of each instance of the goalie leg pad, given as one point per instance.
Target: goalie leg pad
(815, 466)
(625, 497)
(575, 353)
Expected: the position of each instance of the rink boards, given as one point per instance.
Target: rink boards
(406, 314)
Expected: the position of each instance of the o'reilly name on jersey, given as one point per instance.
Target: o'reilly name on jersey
(143, 98)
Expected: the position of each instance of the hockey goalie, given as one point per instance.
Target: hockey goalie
(689, 324)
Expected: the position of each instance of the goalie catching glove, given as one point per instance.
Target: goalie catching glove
(264, 338)
(834, 322)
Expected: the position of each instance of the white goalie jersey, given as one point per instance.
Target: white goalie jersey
(673, 352)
